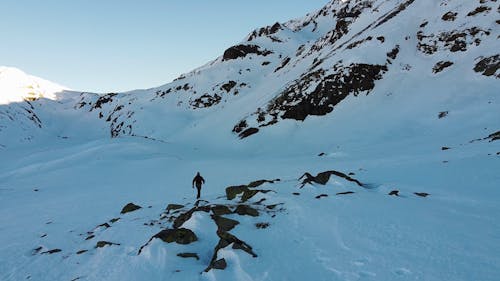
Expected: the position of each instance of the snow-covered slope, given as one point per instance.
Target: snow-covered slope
(17, 86)
(369, 98)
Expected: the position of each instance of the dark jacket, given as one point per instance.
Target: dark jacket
(198, 180)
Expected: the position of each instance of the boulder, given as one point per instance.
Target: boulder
(130, 207)
(246, 210)
(179, 235)
(224, 224)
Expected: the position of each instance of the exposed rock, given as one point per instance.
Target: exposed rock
(332, 89)
(493, 137)
(246, 210)
(445, 148)
(393, 53)
(258, 183)
(130, 207)
(205, 101)
(114, 220)
(53, 251)
(441, 65)
(220, 210)
(296, 193)
(224, 224)
(232, 191)
(102, 244)
(219, 264)
(321, 154)
(81, 252)
(442, 114)
(36, 250)
(174, 207)
(394, 192)
(178, 235)
(188, 255)
(450, 16)
(102, 100)
(323, 177)
(480, 9)
(488, 66)
(241, 51)
(454, 40)
(421, 194)
(321, 195)
(228, 86)
(248, 132)
(262, 225)
(345, 193)
(90, 237)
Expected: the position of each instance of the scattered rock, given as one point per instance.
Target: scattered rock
(321, 154)
(262, 225)
(442, 114)
(450, 16)
(441, 65)
(261, 182)
(81, 252)
(421, 194)
(480, 9)
(130, 207)
(323, 177)
(296, 193)
(228, 86)
(188, 255)
(171, 207)
(105, 225)
(445, 148)
(321, 195)
(179, 235)
(114, 220)
(246, 210)
(394, 192)
(219, 264)
(345, 193)
(232, 191)
(248, 132)
(220, 210)
(493, 137)
(102, 244)
(53, 251)
(224, 224)
(90, 237)
(36, 250)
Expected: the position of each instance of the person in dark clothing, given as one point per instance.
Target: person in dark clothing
(198, 180)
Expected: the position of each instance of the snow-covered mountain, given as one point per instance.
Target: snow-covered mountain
(345, 106)
(17, 86)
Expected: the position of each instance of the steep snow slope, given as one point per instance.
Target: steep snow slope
(398, 95)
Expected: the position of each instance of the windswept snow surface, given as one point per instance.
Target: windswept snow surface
(69, 164)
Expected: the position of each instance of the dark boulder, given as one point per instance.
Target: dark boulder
(394, 192)
(224, 224)
(246, 210)
(179, 235)
(130, 207)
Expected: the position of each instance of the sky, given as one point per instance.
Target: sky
(112, 46)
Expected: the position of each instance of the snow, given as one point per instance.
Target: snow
(63, 179)
(15, 86)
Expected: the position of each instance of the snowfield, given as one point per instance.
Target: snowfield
(379, 118)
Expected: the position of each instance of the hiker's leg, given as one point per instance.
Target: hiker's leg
(199, 189)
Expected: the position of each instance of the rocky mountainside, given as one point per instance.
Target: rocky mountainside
(360, 142)
(302, 68)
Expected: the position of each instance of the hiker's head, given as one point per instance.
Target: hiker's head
(198, 173)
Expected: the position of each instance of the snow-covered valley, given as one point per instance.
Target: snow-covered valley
(391, 108)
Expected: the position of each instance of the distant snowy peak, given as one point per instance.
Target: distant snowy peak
(17, 86)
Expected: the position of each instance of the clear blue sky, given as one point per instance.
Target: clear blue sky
(112, 45)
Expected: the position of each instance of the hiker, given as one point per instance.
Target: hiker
(198, 180)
